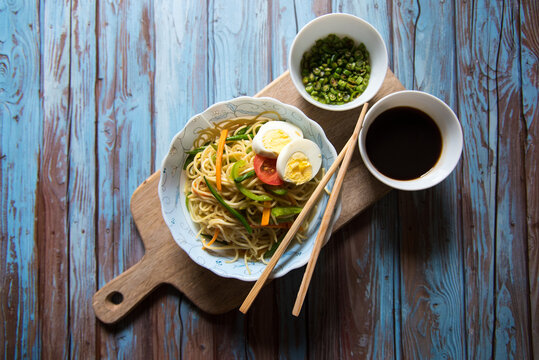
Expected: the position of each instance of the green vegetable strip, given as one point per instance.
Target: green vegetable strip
(187, 201)
(188, 160)
(196, 151)
(245, 176)
(285, 211)
(242, 188)
(239, 137)
(277, 191)
(226, 206)
(273, 248)
(335, 71)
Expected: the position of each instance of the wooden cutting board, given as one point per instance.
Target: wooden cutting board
(165, 262)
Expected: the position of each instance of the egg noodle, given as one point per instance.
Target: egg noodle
(206, 211)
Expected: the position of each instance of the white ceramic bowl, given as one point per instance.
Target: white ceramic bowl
(447, 122)
(172, 183)
(342, 25)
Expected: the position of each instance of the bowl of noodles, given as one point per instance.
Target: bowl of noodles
(218, 203)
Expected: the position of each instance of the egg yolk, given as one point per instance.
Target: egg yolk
(298, 168)
(275, 140)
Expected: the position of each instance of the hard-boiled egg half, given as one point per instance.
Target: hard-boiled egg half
(273, 136)
(298, 159)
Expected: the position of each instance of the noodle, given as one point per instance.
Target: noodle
(209, 214)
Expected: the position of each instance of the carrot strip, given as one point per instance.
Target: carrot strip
(219, 158)
(215, 234)
(266, 213)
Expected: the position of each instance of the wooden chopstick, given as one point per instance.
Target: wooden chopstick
(295, 226)
(326, 219)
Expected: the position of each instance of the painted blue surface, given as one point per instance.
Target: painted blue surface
(91, 95)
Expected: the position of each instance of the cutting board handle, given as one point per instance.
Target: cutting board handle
(120, 295)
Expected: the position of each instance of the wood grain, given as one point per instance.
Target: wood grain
(82, 179)
(432, 301)
(529, 62)
(476, 65)
(90, 96)
(181, 67)
(20, 131)
(511, 308)
(124, 120)
(53, 226)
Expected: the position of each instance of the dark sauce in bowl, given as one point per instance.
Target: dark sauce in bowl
(403, 143)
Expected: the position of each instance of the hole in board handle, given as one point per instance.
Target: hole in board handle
(115, 297)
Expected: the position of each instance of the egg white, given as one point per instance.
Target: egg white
(268, 133)
(304, 147)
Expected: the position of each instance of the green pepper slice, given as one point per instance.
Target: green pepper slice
(226, 206)
(273, 248)
(242, 188)
(277, 191)
(280, 212)
(238, 137)
(245, 176)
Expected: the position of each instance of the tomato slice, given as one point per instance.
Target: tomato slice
(266, 170)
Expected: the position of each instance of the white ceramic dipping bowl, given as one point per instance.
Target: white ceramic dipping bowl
(342, 25)
(172, 184)
(447, 123)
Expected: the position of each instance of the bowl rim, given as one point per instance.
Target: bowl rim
(290, 265)
(411, 185)
(358, 101)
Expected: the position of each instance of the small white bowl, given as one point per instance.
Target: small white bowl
(447, 123)
(342, 25)
(172, 184)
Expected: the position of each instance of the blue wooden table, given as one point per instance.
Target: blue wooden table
(91, 94)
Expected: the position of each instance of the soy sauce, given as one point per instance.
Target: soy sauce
(403, 143)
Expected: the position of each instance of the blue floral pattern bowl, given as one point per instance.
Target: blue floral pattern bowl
(172, 183)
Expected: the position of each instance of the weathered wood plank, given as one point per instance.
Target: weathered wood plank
(477, 37)
(82, 179)
(529, 62)
(20, 132)
(239, 33)
(512, 314)
(52, 202)
(308, 331)
(370, 247)
(431, 250)
(292, 332)
(124, 155)
(181, 87)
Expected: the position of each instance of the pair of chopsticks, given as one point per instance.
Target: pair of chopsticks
(344, 156)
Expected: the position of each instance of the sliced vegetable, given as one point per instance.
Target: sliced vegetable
(187, 201)
(266, 170)
(280, 212)
(247, 175)
(266, 213)
(273, 248)
(277, 191)
(242, 131)
(197, 150)
(219, 159)
(215, 234)
(235, 169)
(239, 137)
(234, 212)
(188, 160)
